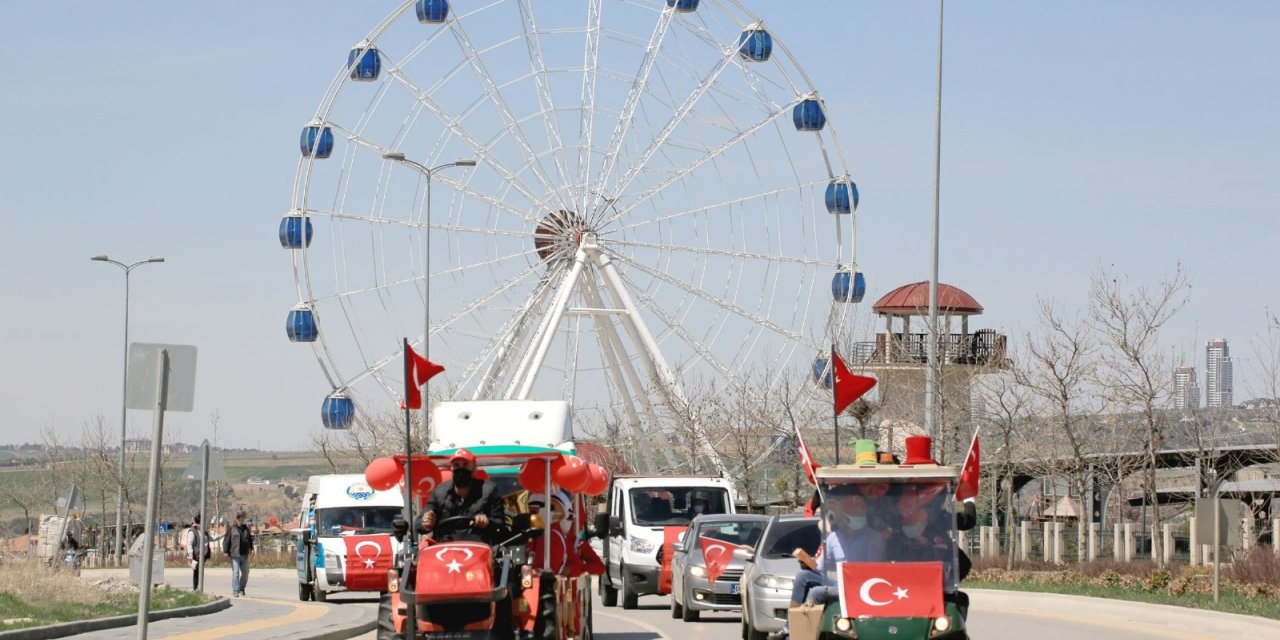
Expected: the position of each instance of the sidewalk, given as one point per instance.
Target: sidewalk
(1166, 620)
(268, 615)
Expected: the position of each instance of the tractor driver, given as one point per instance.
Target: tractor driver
(466, 495)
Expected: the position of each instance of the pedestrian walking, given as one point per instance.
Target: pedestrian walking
(197, 544)
(237, 543)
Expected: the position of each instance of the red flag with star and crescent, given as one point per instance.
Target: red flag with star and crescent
(368, 560)
(891, 590)
(717, 554)
(417, 371)
(454, 569)
(848, 387)
(967, 487)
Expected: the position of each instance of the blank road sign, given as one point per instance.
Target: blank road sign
(144, 368)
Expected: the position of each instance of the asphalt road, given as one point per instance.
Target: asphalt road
(272, 610)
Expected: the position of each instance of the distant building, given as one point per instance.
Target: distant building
(1217, 374)
(1186, 391)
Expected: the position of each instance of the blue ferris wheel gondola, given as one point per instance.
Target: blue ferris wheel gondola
(755, 44)
(848, 286)
(842, 196)
(683, 6)
(338, 411)
(295, 231)
(316, 141)
(432, 11)
(364, 63)
(821, 371)
(300, 326)
(809, 116)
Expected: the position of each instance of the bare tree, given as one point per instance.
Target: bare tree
(1264, 384)
(1129, 320)
(1061, 361)
(1005, 412)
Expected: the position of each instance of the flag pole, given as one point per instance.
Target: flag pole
(835, 414)
(410, 536)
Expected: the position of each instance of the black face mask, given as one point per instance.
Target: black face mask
(462, 478)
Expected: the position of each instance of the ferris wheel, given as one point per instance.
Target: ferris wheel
(613, 200)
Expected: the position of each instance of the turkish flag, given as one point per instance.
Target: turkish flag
(417, 371)
(455, 569)
(669, 537)
(968, 485)
(848, 387)
(717, 554)
(368, 560)
(806, 460)
(891, 590)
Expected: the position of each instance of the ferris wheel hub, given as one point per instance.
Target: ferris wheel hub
(559, 234)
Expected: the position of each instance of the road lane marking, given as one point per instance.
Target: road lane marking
(1145, 629)
(300, 613)
(639, 623)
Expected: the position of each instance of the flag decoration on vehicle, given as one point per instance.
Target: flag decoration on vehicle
(806, 460)
(891, 590)
(967, 487)
(368, 560)
(717, 554)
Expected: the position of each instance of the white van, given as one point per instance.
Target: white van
(644, 515)
(344, 518)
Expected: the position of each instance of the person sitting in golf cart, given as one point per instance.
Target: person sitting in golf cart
(463, 495)
(850, 540)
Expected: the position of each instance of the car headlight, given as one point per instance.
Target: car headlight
(771, 581)
(844, 624)
(698, 571)
(640, 545)
(942, 624)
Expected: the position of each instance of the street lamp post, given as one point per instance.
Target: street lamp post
(411, 548)
(124, 392)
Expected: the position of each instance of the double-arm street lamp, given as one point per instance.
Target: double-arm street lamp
(124, 393)
(426, 252)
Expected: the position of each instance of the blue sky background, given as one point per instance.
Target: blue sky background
(1137, 134)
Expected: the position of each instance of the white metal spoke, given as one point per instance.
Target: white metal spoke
(710, 207)
(587, 112)
(677, 327)
(724, 252)
(481, 71)
(478, 302)
(538, 68)
(638, 88)
(515, 331)
(701, 161)
(725, 304)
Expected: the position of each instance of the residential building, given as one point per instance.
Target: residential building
(1217, 374)
(1186, 390)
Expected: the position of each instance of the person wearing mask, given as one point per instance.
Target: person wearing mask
(237, 543)
(850, 540)
(466, 495)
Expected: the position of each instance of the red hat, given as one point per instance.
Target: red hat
(463, 454)
(919, 450)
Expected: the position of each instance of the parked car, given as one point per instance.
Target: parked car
(769, 573)
(691, 591)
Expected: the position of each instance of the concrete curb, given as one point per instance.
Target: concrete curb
(64, 629)
(340, 633)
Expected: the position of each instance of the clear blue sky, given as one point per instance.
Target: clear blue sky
(1136, 134)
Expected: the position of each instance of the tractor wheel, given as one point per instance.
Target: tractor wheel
(386, 626)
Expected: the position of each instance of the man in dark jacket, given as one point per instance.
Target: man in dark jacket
(237, 542)
(466, 495)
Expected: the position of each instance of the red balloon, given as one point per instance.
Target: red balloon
(572, 474)
(532, 475)
(446, 475)
(598, 482)
(383, 473)
(426, 477)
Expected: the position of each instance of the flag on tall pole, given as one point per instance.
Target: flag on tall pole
(417, 371)
(845, 389)
(967, 487)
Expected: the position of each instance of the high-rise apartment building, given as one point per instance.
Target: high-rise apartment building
(1186, 391)
(1217, 374)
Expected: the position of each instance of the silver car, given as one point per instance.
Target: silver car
(691, 592)
(769, 573)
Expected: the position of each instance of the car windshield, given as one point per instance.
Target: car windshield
(351, 520)
(743, 534)
(785, 536)
(676, 505)
(876, 520)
